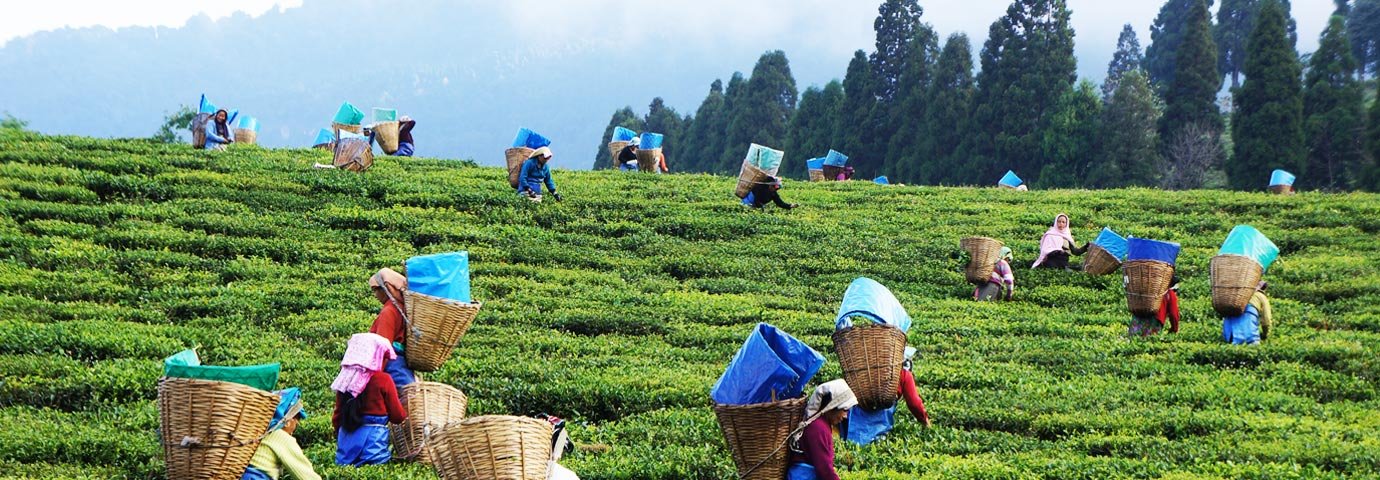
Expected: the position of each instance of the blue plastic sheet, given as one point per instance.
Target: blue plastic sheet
(231, 116)
(882, 180)
(324, 136)
(867, 298)
(1242, 329)
(836, 159)
(867, 426)
(749, 199)
(770, 364)
(248, 123)
(286, 399)
(1142, 249)
(815, 163)
(1281, 177)
(206, 106)
(348, 114)
(650, 141)
(1112, 243)
(767, 159)
(621, 134)
(1011, 180)
(1245, 240)
(348, 135)
(530, 139)
(445, 275)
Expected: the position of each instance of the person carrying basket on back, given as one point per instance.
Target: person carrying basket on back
(218, 132)
(1002, 284)
(388, 287)
(1254, 324)
(279, 452)
(535, 173)
(812, 443)
(1169, 312)
(627, 157)
(765, 192)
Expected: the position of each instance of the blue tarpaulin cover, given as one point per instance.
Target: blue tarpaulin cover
(867, 298)
(769, 362)
(836, 159)
(767, 159)
(815, 163)
(650, 141)
(206, 106)
(621, 134)
(527, 138)
(866, 426)
(1011, 180)
(1142, 249)
(1281, 177)
(1246, 240)
(749, 199)
(347, 135)
(348, 114)
(249, 123)
(445, 275)
(1112, 243)
(882, 180)
(324, 136)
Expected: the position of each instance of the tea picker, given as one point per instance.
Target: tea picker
(366, 401)
(875, 360)
(1057, 245)
(1149, 279)
(279, 452)
(627, 156)
(1001, 284)
(1238, 294)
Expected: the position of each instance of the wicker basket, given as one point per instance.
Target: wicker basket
(515, 157)
(871, 357)
(648, 158)
(1146, 283)
(199, 130)
(387, 135)
(1099, 261)
(831, 172)
(749, 177)
(430, 407)
(246, 136)
(210, 429)
(1282, 189)
(757, 434)
(1234, 281)
(355, 155)
(816, 175)
(435, 326)
(355, 129)
(983, 254)
(492, 448)
(614, 149)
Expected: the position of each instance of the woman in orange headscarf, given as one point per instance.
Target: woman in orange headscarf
(391, 324)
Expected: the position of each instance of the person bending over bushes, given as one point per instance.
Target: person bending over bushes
(278, 452)
(536, 172)
(1002, 283)
(767, 192)
(1169, 311)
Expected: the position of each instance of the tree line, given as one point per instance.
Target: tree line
(924, 112)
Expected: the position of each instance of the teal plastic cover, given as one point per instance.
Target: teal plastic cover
(348, 115)
(1247, 241)
(767, 159)
(186, 364)
(324, 136)
(385, 115)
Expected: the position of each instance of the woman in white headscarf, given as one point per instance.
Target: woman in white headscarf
(812, 445)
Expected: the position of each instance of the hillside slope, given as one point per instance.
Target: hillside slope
(619, 307)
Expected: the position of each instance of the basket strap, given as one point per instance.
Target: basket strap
(407, 323)
(773, 453)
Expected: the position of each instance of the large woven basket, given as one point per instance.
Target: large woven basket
(749, 177)
(435, 326)
(199, 130)
(831, 172)
(492, 448)
(871, 357)
(355, 155)
(983, 254)
(1099, 261)
(648, 158)
(430, 407)
(757, 434)
(1282, 189)
(1234, 281)
(246, 136)
(816, 175)
(210, 429)
(355, 129)
(1146, 283)
(387, 135)
(515, 156)
(614, 149)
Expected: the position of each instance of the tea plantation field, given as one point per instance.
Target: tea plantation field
(619, 307)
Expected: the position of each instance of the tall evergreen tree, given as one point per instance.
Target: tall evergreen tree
(767, 105)
(1363, 26)
(1334, 117)
(1165, 36)
(1371, 180)
(1267, 127)
(624, 117)
(812, 128)
(704, 138)
(1129, 138)
(1191, 97)
(1027, 65)
(947, 115)
(664, 120)
(1127, 58)
(735, 98)
(907, 113)
(1070, 141)
(1235, 22)
(898, 26)
(855, 132)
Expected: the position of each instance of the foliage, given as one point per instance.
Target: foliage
(1070, 143)
(12, 123)
(174, 124)
(1236, 19)
(664, 120)
(1191, 95)
(1128, 58)
(1267, 125)
(856, 130)
(1363, 26)
(1167, 34)
(1129, 141)
(1333, 110)
(950, 99)
(812, 128)
(704, 137)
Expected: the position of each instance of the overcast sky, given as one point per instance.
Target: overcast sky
(848, 24)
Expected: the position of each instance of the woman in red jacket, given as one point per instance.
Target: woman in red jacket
(366, 401)
(388, 287)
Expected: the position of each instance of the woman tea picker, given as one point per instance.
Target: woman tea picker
(536, 172)
(388, 287)
(812, 445)
(218, 132)
(1002, 283)
(278, 452)
(627, 157)
(366, 401)
(1057, 245)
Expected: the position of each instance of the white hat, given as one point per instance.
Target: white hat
(635, 142)
(910, 353)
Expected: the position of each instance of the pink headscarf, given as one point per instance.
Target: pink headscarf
(1054, 239)
(365, 354)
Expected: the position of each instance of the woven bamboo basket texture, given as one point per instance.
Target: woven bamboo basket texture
(1146, 283)
(1099, 261)
(1282, 189)
(246, 136)
(983, 254)
(1234, 281)
(387, 135)
(614, 149)
(871, 357)
(354, 155)
(756, 435)
(430, 407)
(355, 129)
(749, 177)
(816, 175)
(210, 429)
(831, 172)
(648, 158)
(199, 130)
(435, 326)
(515, 156)
(493, 447)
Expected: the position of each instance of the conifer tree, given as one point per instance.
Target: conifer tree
(1129, 138)
(704, 138)
(1165, 36)
(1267, 126)
(764, 112)
(1334, 117)
(946, 117)
(1127, 58)
(1191, 97)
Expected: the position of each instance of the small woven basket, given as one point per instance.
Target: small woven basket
(355, 129)
(353, 154)
(1282, 189)
(647, 159)
(387, 135)
(1099, 261)
(1234, 281)
(492, 447)
(983, 254)
(871, 357)
(246, 136)
(749, 177)
(816, 175)
(515, 156)
(211, 429)
(435, 326)
(430, 407)
(757, 434)
(1146, 283)
(614, 149)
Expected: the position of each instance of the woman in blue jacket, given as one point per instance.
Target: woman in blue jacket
(218, 133)
(535, 172)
